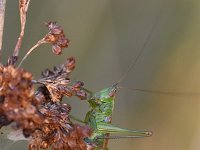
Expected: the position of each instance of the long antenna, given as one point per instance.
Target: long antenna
(163, 92)
(147, 39)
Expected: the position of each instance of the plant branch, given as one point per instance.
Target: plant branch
(42, 41)
(23, 8)
(2, 14)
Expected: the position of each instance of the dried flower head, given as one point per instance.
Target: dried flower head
(58, 82)
(56, 37)
(46, 122)
(17, 95)
(57, 131)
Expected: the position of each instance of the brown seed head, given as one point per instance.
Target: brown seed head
(56, 37)
(58, 83)
(17, 95)
(57, 131)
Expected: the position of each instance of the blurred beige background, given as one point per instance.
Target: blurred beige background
(106, 36)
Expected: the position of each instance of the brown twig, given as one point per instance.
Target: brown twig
(2, 12)
(42, 41)
(23, 8)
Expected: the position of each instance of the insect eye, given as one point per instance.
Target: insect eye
(112, 93)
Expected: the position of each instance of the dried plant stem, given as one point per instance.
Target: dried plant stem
(23, 8)
(42, 41)
(2, 14)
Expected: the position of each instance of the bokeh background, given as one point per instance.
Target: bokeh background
(106, 37)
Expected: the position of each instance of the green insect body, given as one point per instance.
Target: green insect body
(102, 105)
(100, 116)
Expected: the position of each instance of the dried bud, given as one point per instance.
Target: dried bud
(56, 49)
(81, 94)
(70, 64)
(78, 84)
